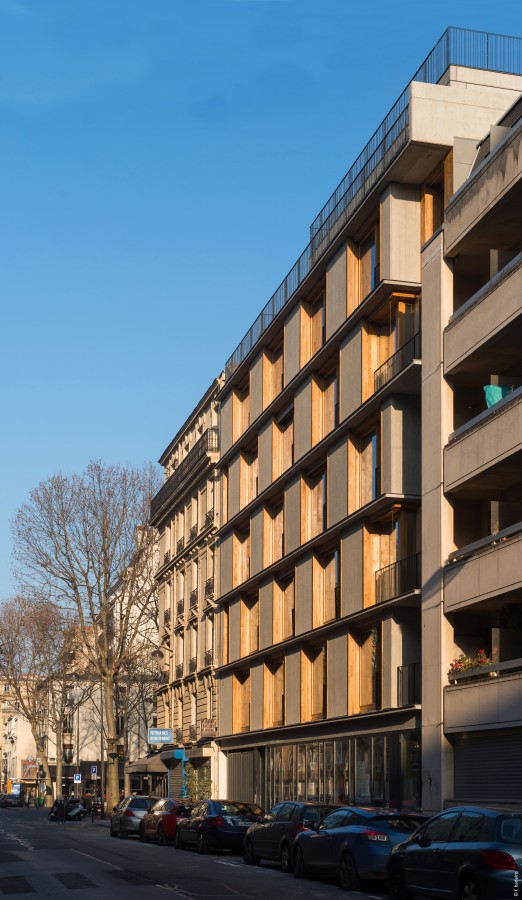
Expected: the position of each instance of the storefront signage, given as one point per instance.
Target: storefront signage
(160, 736)
(207, 729)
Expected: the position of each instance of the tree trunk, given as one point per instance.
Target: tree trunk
(59, 760)
(112, 779)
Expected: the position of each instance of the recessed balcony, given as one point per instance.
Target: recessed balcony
(398, 362)
(492, 699)
(483, 570)
(400, 577)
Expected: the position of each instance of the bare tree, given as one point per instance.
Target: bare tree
(37, 641)
(81, 541)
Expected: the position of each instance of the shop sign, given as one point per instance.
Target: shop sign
(160, 736)
(207, 729)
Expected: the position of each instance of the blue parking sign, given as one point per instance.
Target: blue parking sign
(77, 778)
(94, 770)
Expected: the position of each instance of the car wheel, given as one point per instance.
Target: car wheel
(202, 843)
(348, 875)
(248, 854)
(162, 840)
(285, 858)
(121, 833)
(396, 886)
(179, 843)
(299, 866)
(469, 889)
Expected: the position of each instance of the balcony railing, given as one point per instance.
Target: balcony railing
(399, 578)
(179, 670)
(193, 664)
(180, 544)
(193, 602)
(209, 518)
(209, 586)
(193, 733)
(208, 442)
(209, 656)
(179, 735)
(409, 684)
(396, 363)
(166, 618)
(457, 46)
(180, 607)
(193, 533)
(166, 557)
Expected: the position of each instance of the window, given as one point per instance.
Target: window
(313, 520)
(274, 694)
(368, 264)
(274, 384)
(469, 827)
(286, 812)
(223, 618)
(326, 588)
(370, 670)
(317, 325)
(369, 468)
(273, 544)
(334, 820)
(440, 828)
(241, 690)
(283, 609)
(283, 443)
(313, 682)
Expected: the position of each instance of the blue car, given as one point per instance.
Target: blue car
(352, 844)
(468, 853)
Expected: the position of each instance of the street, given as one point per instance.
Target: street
(50, 859)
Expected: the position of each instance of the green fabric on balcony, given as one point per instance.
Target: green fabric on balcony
(494, 393)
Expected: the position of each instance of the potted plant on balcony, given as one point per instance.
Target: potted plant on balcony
(464, 667)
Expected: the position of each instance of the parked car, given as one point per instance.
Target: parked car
(13, 800)
(353, 844)
(161, 821)
(127, 815)
(467, 852)
(272, 837)
(215, 824)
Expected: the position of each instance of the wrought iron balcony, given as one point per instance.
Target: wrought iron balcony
(180, 544)
(193, 533)
(397, 362)
(409, 684)
(166, 618)
(179, 670)
(209, 518)
(180, 607)
(193, 664)
(166, 557)
(399, 578)
(193, 602)
(193, 733)
(179, 735)
(209, 657)
(208, 443)
(209, 586)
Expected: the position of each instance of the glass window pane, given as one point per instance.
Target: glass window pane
(288, 772)
(440, 829)
(328, 772)
(342, 771)
(301, 771)
(380, 794)
(362, 770)
(312, 771)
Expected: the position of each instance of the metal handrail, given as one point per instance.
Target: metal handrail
(193, 664)
(180, 607)
(457, 46)
(193, 532)
(397, 362)
(208, 442)
(166, 618)
(179, 670)
(399, 578)
(209, 517)
(209, 657)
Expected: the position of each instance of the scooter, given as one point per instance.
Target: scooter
(70, 811)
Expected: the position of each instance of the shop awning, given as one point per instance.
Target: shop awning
(146, 764)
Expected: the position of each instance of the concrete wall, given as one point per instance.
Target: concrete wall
(303, 419)
(303, 594)
(350, 373)
(337, 676)
(292, 514)
(337, 482)
(401, 446)
(336, 291)
(495, 571)
(266, 452)
(400, 233)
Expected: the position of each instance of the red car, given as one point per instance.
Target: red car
(161, 821)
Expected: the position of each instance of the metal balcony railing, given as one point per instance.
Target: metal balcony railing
(179, 735)
(397, 362)
(209, 518)
(193, 602)
(166, 557)
(180, 544)
(209, 657)
(399, 578)
(457, 46)
(208, 443)
(209, 586)
(193, 664)
(193, 533)
(193, 733)
(180, 607)
(179, 670)
(166, 618)
(409, 684)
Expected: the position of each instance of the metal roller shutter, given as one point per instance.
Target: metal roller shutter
(241, 775)
(488, 765)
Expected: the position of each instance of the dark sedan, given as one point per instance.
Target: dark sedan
(272, 837)
(127, 815)
(215, 825)
(161, 822)
(13, 800)
(467, 852)
(353, 844)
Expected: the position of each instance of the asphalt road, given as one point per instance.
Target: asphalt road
(51, 860)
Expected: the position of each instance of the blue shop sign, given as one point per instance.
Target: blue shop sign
(160, 736)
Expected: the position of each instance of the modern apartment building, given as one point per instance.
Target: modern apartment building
(186, 513)
(356, 497)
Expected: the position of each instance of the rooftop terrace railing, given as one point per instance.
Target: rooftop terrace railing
(457, 46)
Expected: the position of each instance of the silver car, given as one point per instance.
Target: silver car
(127, 815)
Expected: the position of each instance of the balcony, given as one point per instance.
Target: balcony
(401, 577)
(193, 601)
(180, 544)
(209, 518)
(209, 587)
(193, 733)
(208, 443)
(179, 670)
(180, 607)
(193, 664)
(493, 699)
(209, 657)
(484, 457)
(166, 618)
(400, 360)
(193, 533)
(409, 684)
(178, 735)
(487, 325)
(166, 557)
(483, 570)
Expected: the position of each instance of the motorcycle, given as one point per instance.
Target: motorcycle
(69, 811)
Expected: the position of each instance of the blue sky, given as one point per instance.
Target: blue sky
(160, 163)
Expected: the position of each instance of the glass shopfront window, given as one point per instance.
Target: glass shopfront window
(342, 771)
(288, 772)
(363, 770)
(312, 771)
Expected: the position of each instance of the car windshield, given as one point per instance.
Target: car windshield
(510, 829)
(407, 824)
(232, 809)
(314, 813)
(140, 803)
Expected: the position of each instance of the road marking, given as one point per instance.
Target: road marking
(102, 861)
(222, 862)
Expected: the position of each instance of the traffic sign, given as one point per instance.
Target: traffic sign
(77, 778)
(94, 770)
